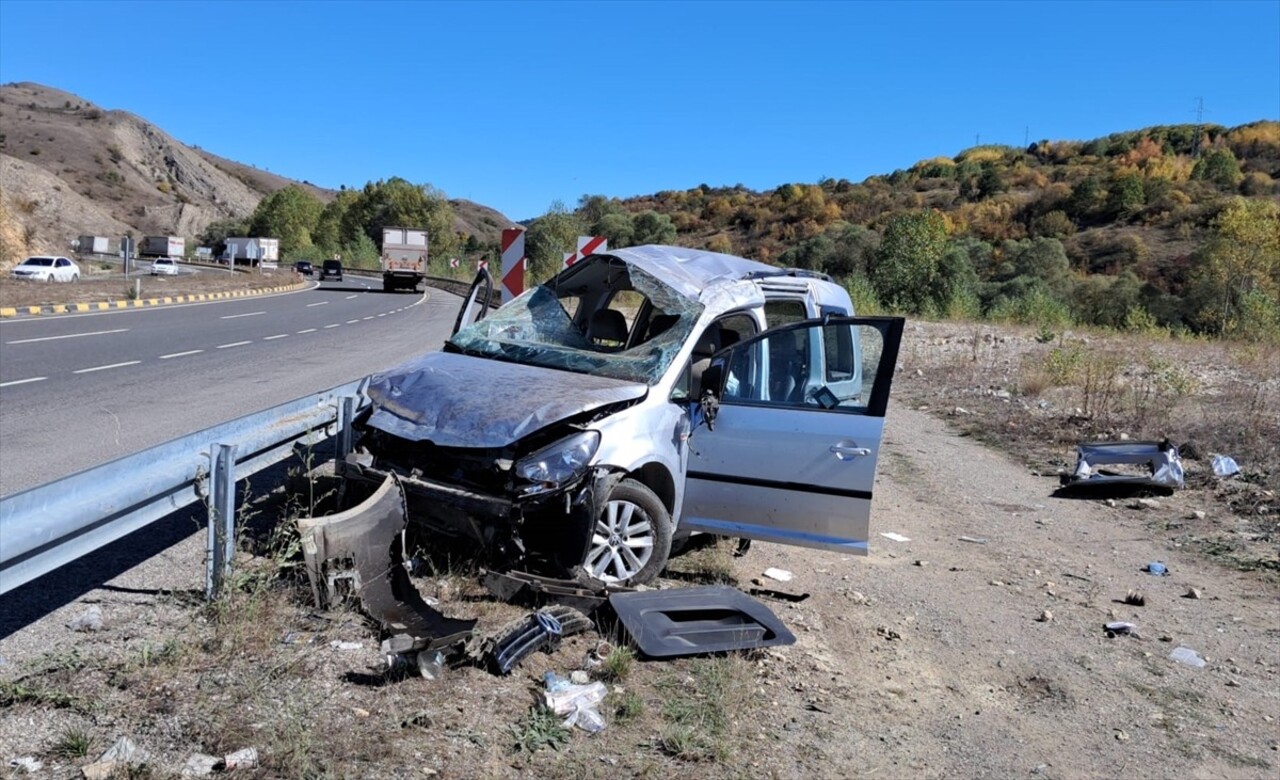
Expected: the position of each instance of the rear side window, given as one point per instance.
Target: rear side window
(784, 312)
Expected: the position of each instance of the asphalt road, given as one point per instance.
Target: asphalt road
(80, 390)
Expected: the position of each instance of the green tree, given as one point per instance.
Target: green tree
(653, 228)
(290, 214)
(549, 238)
(1219, 166)
(1241, 259)
(617, 228)
(216, 234)
(1126, 196)
(398, 203)
(327, 235)
(906, 270)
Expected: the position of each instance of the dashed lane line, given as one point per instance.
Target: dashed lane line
(308, 330)
(23, 381)
(104, 368)
(233, 344)
(334, 325)
(277, 336)
(319, 303)
(68, 336)
(237, 316)
(181, 354)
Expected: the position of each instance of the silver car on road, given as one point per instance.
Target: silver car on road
(636, 398)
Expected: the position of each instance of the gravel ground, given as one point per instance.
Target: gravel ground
(933, 657)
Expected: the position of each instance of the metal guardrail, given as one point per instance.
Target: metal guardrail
(45, 527)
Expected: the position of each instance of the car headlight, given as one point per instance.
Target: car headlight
(553, 465)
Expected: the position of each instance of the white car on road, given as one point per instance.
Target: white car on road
(47, 269)
(164, 266)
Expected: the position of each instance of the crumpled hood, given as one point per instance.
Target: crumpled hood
(457, 400)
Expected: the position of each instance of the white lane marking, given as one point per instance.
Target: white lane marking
(349, 297)
(104, 368)
(334, 325)
(237, 316)
(182, 354)
(321, 303)
(366, 318)
(234, 344)
(71, 336)
(23, 381)
(308, 330)
(278, 336)
(383, 314)
(353, 322)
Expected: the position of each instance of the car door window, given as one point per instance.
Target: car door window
(827, 366)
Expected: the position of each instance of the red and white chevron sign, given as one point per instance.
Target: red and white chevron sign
(453, 262)
(513, 263)
(587, 246)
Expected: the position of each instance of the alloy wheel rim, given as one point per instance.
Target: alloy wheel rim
(621, 542)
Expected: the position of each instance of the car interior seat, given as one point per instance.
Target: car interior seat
(660, 324)
(707, 345)
(607, 330)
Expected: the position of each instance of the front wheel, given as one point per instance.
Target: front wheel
(631, 541)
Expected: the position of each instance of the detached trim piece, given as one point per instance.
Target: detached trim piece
(776, 485)
(358, 548)
(696, 621)
(1164, 467)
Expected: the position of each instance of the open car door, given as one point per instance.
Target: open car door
(476, 304)
(790, 454)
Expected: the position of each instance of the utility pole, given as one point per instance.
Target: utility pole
(1195, 144)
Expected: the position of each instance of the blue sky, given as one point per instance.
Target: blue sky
(516, 105)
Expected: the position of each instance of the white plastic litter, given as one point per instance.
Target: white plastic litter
(895, 537)
(1225, 466)
(1185, 655)
(781, 575)
(90, 620)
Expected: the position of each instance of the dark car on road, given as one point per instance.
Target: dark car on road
(331, 269)
(303, 267)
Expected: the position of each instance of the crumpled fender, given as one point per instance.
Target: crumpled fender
(360, 546)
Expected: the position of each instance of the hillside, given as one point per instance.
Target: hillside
(69, 167)
(1146, 227)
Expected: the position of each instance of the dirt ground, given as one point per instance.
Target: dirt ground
(108, 284)
(973, 648)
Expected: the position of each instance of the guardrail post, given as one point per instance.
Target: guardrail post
(346, 416)
(221, 545)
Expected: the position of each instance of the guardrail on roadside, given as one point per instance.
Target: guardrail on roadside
(45, 527)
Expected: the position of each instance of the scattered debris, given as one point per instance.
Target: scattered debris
(1185, 655)
(1198, 515)
(1122, 735)
(973, 539)
(1045, 616)
(27, 763)
(431, 664)
(89, 620)
(1225, 466)
(120, 756)
(781, 575)
(888, 633)
(998, 583)
(1151, 464)
(579, 677)
(420, 718)
(1157, 569)
(1135, 598)
(896, 537)
(1119, 628)
(779, 595)
(339, 644)
(245, 758)
(542, 629)
(1192, 593)
(921, 563)
(695, 621)
(1145, 503)
(200, 765)
(578, 702)
(857, 597)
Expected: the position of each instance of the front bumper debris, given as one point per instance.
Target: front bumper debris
(357, 553)
(1152, 464)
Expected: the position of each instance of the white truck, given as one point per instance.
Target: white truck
(163, 246)
(404, 258)
(263, 252)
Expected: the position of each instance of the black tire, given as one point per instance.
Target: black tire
(631, 541)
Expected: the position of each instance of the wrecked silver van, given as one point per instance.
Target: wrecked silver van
(638, 397)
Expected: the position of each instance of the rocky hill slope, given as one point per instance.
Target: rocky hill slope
(69, 168)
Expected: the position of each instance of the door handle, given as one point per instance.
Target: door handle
(840, 449)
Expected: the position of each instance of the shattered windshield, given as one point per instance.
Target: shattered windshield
(562, 324)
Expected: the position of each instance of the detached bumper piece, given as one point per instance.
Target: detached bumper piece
(697, 621)
(1135, 464)
(541, 630)
(357, 553)
(522, 587)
